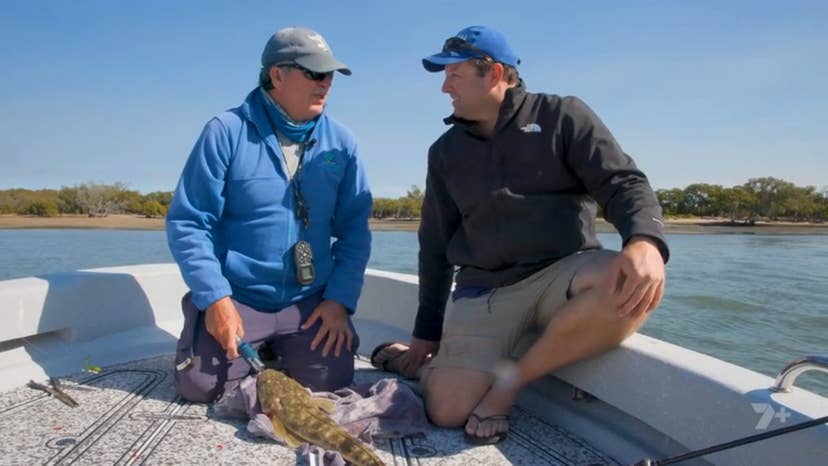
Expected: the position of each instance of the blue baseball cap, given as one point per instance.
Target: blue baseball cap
(473, 42)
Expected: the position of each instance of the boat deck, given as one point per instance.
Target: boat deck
(646, 399)
(131, 414)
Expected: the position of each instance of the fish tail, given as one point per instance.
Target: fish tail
(335, 437)
(359, 454)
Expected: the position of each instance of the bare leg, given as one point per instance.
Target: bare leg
(587, 325)
(450, 393)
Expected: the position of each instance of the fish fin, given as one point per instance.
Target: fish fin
(325, 405)
(283, 433)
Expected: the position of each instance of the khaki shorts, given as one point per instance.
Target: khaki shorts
(478, 332)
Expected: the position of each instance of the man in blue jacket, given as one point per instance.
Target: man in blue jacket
(266, 188)
(510, 201)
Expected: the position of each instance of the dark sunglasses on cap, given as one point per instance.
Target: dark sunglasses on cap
(458, 45)
(312, 75)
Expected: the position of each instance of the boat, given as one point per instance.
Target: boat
(108, 336)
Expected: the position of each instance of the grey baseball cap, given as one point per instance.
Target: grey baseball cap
(305, 47)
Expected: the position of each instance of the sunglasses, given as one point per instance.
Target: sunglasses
(458, 45)
(312, 75)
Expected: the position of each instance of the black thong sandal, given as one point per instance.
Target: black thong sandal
(384, 364)
(497, 437)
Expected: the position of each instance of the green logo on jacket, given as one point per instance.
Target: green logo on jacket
(329, 159)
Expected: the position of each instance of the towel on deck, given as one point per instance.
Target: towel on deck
(388, 409)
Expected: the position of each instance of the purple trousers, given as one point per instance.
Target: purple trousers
(203, 373)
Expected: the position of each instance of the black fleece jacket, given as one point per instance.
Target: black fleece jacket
(504, 207)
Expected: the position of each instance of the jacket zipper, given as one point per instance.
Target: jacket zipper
(292, 220)
(499, 187)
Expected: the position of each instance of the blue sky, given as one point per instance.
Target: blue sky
(699, 91)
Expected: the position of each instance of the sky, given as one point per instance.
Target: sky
(695, 91)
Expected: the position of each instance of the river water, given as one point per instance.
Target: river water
(753, 300)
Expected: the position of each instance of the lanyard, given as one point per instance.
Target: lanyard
(302, 210)
(302, 251)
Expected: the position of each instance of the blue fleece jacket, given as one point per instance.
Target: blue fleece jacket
(232, 225)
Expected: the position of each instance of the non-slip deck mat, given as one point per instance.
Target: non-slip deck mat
(130, 414)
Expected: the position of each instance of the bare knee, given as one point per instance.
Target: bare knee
(593, 280)
(594, 274)
(446, 414)
(632, 324)
(452, 394)
(625, 325)
(592, 315)
(619, 327)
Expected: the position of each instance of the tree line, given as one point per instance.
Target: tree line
(100, 200)
(759, 198)
(92, 199)
(408, 206)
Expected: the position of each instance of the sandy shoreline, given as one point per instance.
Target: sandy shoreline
(672, 226)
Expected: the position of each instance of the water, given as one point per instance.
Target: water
(756, 301)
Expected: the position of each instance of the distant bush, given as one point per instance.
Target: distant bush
(759, 198)
(162, 197)
(95, 200)
(149, 209)
(409, 206)
(41, 209)
(768, 198)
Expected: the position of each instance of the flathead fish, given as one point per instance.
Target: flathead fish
(297, 418)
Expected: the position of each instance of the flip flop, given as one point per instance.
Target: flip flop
(490, 440)
(384, 364)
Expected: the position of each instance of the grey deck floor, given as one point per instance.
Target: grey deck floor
(121, 421)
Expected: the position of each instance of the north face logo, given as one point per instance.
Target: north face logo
(531, 128)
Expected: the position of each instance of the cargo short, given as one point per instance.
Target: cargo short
(479, 332)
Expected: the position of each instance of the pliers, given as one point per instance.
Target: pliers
(54, 389)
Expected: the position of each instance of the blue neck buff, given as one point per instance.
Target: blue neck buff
(296, 131)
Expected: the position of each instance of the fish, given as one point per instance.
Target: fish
(299, 418)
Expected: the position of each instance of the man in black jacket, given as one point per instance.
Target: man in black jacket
(510, 201)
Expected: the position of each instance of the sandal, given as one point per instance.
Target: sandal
(383, 365)
(489, 440)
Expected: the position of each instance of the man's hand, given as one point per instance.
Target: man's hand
(224, 324)
(334, 326)
(418, 352)
(637, 277)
